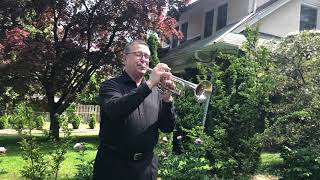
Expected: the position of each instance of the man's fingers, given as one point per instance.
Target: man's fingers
(166, 75)
(163, 67)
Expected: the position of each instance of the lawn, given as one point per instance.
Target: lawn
(271, 164)
(12, 162)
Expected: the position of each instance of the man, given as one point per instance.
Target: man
(132, 112)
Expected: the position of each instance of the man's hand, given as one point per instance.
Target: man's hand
(167, 95)
(161, 71)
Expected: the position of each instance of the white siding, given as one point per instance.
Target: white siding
(282, 21)
(237, 9)
(196, 16)
(194, 19)
(261, 2)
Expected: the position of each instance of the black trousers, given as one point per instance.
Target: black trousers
(111, 165)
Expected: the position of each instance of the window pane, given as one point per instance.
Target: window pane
(308, 18)
(208, 23)
(175, 40)
(222, 16)
(184, 30)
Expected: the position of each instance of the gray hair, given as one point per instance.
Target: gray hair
(130, 44)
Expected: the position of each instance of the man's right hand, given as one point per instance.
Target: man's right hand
(160, 71)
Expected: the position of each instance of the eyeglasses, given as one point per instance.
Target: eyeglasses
(140, 54)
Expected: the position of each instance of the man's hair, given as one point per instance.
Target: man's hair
(130, 44)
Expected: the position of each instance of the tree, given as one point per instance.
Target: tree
(239, 107)
(296, 113)
(68, 41)
(294, 124)
(153, 45)
(89, 95)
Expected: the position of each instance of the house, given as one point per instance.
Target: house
(210, 26)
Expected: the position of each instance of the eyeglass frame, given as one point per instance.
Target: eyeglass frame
(140, 54)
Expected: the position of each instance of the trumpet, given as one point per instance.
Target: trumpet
(202, 91)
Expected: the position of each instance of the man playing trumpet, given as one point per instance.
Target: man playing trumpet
(132, 112)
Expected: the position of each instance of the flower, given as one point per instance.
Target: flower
(198, 141)
(165, 139)
(179, 137)
(2, 150)
(78, 146)
(162, 154)
(293, 33)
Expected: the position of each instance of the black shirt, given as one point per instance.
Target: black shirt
(131, 115)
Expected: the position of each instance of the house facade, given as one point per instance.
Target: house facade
(212, 25)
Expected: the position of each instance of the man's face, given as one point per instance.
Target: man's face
(136, 61)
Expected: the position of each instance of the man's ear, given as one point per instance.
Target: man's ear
(124, 60)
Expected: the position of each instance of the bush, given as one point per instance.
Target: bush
(191, 163)
(37, 164)
(85, 170)
(23, 117)
(4, 121)
(295, 101)
(85, 167)
(92, 120)
(70, 116)
(238, 108)
(39, 122)
(76, 122)
(302, 163)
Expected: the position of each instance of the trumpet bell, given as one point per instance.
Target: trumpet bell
(203, 91)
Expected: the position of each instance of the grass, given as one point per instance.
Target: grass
(271, 164)
(12, 162)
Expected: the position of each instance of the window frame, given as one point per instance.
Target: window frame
(175, 40)
(186, 33)
(317, 16)
(226, 17)
(205, 35)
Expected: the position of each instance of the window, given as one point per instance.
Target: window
(184, 30)
(222, 16)
(208, 26)
(175, 39)
(308, 17)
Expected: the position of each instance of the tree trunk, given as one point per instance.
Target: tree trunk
(54, 126)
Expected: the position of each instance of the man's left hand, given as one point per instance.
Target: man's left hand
(167, 85)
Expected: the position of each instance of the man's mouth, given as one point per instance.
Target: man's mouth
(142, 67)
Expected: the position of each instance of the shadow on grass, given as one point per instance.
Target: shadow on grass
(2, 171)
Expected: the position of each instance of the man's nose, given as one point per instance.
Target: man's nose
(144, 59)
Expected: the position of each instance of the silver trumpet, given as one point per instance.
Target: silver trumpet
(202, 91)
